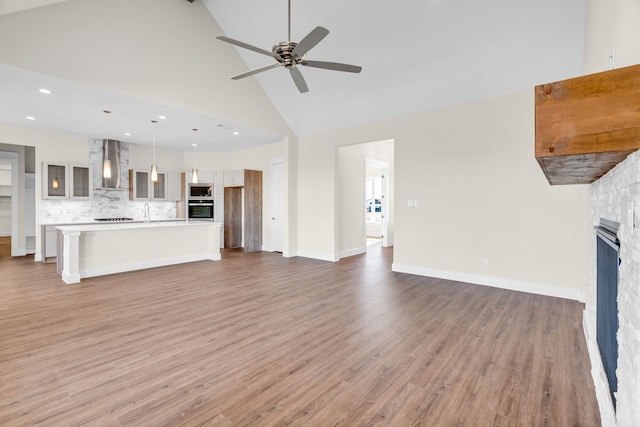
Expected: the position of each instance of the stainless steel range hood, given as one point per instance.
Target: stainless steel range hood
(117, 152)
(111, 153)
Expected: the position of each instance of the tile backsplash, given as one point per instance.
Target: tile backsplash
(104, 204)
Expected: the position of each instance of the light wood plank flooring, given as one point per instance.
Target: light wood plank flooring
(5, 246)
(261, 340)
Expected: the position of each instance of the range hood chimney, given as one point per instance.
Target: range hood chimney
(111, 152)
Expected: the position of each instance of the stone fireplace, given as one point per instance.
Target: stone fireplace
(616, 197)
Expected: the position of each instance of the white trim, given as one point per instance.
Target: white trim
(121, 268)
(15, 198)
(318, 255)
(352, 252)
(70, 279)
(495, 282)
(605, 404)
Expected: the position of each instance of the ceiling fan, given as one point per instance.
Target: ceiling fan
(291, 54)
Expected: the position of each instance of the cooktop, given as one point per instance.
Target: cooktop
(114, 219)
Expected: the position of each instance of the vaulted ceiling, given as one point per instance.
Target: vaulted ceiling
(417, 55)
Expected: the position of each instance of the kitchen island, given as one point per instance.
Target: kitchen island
(95, 250)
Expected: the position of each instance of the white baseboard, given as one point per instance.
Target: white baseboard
(19, 252)
(495, 282)
(319, 255)
(37, 257)
(352, 252)
(121, 268)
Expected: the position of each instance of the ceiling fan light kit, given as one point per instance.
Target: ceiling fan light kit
(290, 54)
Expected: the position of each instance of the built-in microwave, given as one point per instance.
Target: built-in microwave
(200, 191)
(200, 209)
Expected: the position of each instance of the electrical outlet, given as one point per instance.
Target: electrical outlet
(485, 263)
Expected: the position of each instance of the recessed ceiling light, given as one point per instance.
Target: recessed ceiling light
(236, 133)
(162, 117)
(194, 145)
(30, 118)
(46, 91)
(127, 134)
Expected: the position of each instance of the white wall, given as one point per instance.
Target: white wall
(613, 25)
(481, 196)
(140, 48)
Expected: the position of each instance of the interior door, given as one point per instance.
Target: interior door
(232, 217)
(277, 189)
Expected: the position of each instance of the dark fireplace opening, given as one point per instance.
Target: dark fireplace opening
(607, 262)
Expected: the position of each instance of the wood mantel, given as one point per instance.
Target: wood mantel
(587, 125)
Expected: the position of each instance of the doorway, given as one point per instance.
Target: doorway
(9, 203)
(363, 198)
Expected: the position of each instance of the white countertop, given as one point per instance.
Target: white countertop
(93, 221)
(133, 225)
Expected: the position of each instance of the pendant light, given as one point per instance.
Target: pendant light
(154, 167)
(194, 171)
(106, 163)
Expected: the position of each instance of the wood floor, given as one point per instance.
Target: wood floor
(261, 340)
(5, 246)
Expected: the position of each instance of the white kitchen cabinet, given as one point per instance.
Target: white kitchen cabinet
(175, 186)
(205, 177)
(159, 188)
(55, 180)
(234, 178)
(66, 181)
(80, 182)
(141, 187)
(51, 245)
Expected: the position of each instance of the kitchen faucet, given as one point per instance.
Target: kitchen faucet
(147, 213)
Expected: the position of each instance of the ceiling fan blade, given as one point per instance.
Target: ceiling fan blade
(244, 45)
(336, 66)
(256, 71)
(296, 75)
(313, 38)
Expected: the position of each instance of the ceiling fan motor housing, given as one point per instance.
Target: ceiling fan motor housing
(283, 53)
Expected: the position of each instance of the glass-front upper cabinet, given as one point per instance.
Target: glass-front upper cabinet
(142, 188)
(64, 181)
(138, 185)
(55, 180)
(160, 187)
(80, 182)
